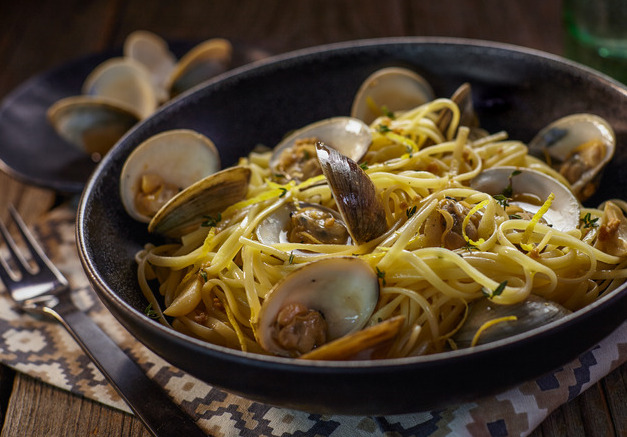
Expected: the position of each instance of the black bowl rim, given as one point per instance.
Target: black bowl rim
(111, 298)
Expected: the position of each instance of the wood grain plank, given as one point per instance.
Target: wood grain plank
(42, 410)
(45, 35)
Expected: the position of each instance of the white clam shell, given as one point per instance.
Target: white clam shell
(348, 135)
(399, 89)
(125, 81)
(206, 197)
(90, 123)
(202, 62)
(562, 136)
(153, 52)
(564, 212)
(345, 290)
(181, 157)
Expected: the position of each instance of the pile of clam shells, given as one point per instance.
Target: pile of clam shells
(121, 91)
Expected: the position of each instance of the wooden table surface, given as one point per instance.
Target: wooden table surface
(38, 35)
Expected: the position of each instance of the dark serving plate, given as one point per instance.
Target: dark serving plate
(31, 150)
(515, 89)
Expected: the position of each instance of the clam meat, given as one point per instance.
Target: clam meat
(294, 158)
(162, 166)
(303, 223)
(317, 303)
(579, 146)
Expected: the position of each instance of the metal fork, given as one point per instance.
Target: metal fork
(45, 290)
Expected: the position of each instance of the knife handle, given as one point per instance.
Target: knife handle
(146, 398)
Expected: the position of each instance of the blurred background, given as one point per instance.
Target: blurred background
(37, 35)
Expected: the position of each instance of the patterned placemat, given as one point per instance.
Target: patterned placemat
(46, 351)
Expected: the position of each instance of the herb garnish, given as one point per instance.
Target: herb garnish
(502, 200)
(364, 166)
(496, 292)
(151, 312)
(211, 222)
(283, 192)
(381, 275)
(589, 222)
(508, 191)
(411, 211)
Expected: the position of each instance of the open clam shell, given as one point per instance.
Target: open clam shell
(125, 81)
(355, 195)
(320, 223)
(153, 52)
(177, 157)
(580, 146)
(526, 184)
(90, 123)
(348, 135)
(532, 313)
(398, 89)
(202, 62)
(207, 197)
(344, 290)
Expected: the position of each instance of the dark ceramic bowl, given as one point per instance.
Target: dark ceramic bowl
(515, 89)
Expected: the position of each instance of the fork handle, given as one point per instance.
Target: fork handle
(146, 398)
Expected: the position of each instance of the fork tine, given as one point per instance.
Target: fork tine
(20, 263)
(37, 253)
(5, 276)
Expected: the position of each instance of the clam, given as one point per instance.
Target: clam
(152, 51)
(202, 62)
(317, 303)
(579, 145)
(528, 189)
(294, 158)
(306, 223)
(124, 81)
(398, 89)
(532, 313)
(207, 197)
(462, 97)
(163, 165)
(355, 195)
(92, 124)
(612, 237)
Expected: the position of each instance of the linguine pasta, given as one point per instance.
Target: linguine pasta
(212, 282)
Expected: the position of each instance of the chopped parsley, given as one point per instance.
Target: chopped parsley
(203, 275)
(382, 128)
(381, 275)
(411, 211)
(589, 222)
(508, 191)
(502, 200)
(386, 111)
(364, 166)
(151, 312)
(211, 222)
(496, 292)
(290, 260)
(283, 191)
